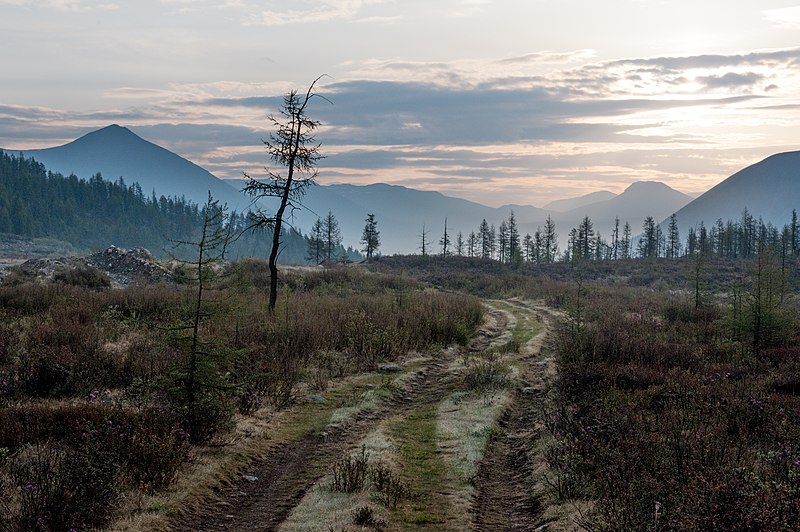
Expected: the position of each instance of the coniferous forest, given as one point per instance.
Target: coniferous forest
(95, 214)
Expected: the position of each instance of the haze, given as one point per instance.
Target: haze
(493, 101)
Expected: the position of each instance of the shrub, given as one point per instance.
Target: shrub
(487, 376)
(152, 448)
(391, 488)
(61, 488)
(365, 516)
(84, 276)
(350, 472)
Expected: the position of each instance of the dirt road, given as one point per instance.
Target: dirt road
(498, 496)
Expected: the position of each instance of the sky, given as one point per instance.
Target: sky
(496, 101)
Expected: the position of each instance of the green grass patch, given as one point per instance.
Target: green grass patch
(527, 326)
(421, 466)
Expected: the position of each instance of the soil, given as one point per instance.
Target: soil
(264, 493)
(122, 266)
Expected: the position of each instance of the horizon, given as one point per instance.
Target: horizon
(551, 103)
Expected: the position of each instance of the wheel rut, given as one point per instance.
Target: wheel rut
(290, 469)
(505, 494)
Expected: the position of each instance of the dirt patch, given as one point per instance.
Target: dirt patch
(268, 489)
(122, 266)
(288, 471)
(506, 496)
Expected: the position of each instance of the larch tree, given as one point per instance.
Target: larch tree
(315, 243)
(332, 236)
(423, 236)
(444, 242)
(371, 237)
(290, 146)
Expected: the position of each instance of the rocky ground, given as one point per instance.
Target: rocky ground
(122, 266)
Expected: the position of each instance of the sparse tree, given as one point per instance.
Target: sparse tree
(371, 236)
(673, 238)
(291, 146)
(424, 241)
(203, 389)
(316, 243)
(528, 246)
(485, 240)
(615, 239)
(648, 244)
(626, 241)
(514, 250)
(332, 236)
(472, 244)
(459, 244)
(502, 241)
(444, 242)
(550, 241)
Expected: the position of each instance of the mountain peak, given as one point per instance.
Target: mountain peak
(647, 186)
(114, 132)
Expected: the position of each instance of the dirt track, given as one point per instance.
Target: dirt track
(289, 470)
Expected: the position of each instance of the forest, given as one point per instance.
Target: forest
(98, 213)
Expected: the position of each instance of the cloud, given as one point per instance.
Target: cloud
(786, 17)
(548, 121)
(731, 80)
(549, 57)
(311, 12)
(76, 6)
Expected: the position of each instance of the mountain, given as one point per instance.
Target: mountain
(638, 201)
(94, 214)
(116, 151)
(401, 213)
(569, 204)
(769, 189)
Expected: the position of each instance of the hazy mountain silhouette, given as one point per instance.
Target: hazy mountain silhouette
(638, 201)
(569, 204)
(401, 213)
(769, 189)
(116, 151)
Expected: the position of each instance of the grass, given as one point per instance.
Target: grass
(421, 465)
(525, 325)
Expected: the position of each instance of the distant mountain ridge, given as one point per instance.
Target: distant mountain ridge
(568, 204)
(116, 151)
(769, 189)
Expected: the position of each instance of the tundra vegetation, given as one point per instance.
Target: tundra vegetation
(105, 398)
(677, 393)
(664, 395)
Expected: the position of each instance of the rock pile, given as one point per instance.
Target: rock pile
(127, 266)
(122, 266)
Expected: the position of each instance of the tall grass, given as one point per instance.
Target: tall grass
(90, 377)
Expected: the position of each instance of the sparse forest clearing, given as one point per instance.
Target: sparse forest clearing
(425, 428)
(651, 395)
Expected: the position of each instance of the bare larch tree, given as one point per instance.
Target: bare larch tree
(291, 146)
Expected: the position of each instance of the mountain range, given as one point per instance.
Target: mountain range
(768, 189)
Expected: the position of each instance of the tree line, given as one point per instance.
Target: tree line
(743, 238)
(96, 213)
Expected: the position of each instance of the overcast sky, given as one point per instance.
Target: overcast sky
(515, 101)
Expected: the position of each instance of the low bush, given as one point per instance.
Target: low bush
(59, 487)
(350, 472)
(390, 487)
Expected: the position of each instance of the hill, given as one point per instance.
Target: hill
(95, 214)
(569, 204)
(769, 189)
(639, 200)
(115, 152)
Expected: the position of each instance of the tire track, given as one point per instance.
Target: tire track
(290, 469)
